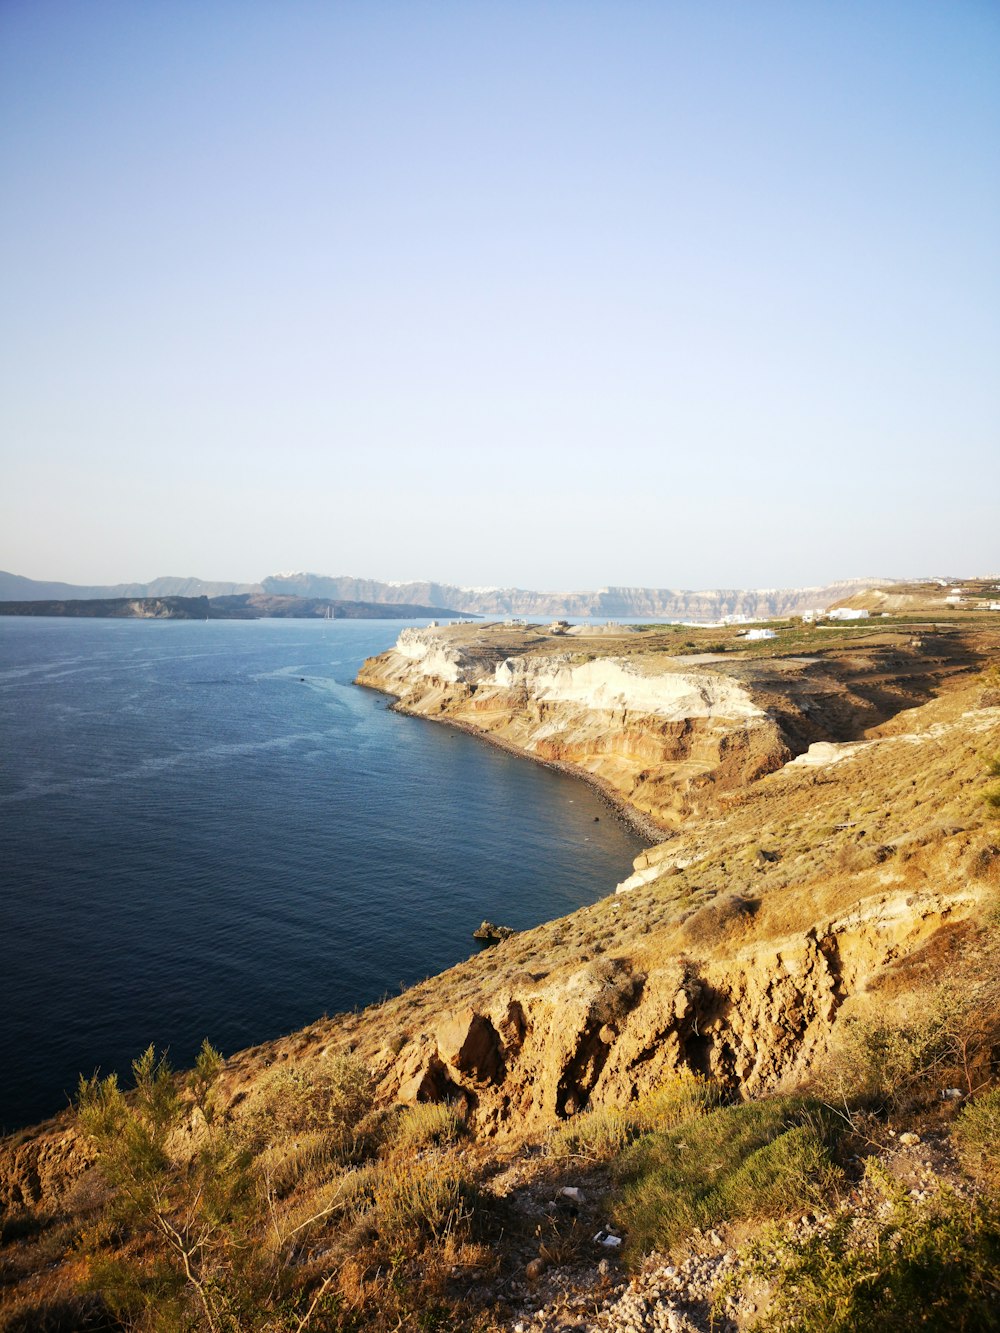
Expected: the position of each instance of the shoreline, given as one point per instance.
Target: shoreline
(643, 825)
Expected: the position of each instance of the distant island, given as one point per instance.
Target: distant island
(237, 606)
(422, 598)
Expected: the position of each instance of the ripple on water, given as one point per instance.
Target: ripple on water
(198, 844)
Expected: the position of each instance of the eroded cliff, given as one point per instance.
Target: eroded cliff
(664, 732)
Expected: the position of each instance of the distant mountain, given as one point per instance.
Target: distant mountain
(426, 598)
(270, 606)
(670, 603)
(239, 606)
(15, 588)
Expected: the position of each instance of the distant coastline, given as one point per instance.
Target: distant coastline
(421, 598)
(241, 606)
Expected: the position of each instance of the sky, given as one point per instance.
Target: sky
(555, 295)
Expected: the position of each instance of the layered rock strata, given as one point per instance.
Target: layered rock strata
(665, 734)
(651, 737)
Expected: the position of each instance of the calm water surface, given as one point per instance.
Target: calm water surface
(207, 830)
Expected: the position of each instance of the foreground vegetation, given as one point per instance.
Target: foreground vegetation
(317, 1210)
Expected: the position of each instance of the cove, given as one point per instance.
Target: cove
(207, 830)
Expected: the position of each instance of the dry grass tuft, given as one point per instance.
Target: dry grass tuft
(605, 1132)
(976, 1134)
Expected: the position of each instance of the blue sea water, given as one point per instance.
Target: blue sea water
(206, 830)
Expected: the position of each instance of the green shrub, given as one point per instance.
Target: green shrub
(885, 1062)
(756, 1160)
(335, 1099)
(603, 1133)
(419, 1200)
(191, 1217)
(933, 1266)
(976, 1133)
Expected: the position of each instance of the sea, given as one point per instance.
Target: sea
(207, 830)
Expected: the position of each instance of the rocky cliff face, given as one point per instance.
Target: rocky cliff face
(663, 733)
(649, 733)
(681, 604)
(674, 603)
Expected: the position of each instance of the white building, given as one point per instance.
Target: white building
(847, 613)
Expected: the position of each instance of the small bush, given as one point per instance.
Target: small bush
(21, 1224)
(602, 1134)
(295, 1159)
(947, 1037)
(722, 918)
(991, 794)
(756, 1160)
(977, 1138)
(73, 1314)
(984, 864)
(419, 1201)
(426, 1124)
(932, 1266)
(334, 1100)
(882, 1062)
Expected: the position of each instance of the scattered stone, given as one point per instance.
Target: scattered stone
(574, 1194)
(909, 1139)
(535, 1269)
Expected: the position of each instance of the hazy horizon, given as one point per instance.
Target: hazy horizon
(556, 297)
(534, 587)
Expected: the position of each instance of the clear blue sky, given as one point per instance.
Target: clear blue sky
(550, 294)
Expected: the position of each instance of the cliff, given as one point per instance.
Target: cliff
(115, 608)
(709, 605)
(654, 722)
(671, 603)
